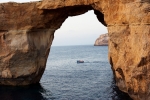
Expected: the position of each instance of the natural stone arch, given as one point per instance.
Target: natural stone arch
(28, 36)
(27, 30)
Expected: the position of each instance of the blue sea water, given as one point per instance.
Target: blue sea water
(65, 79)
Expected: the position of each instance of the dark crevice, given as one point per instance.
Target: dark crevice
(4, 37)
(3, 30)
(144, 61)
(145, 1)
(119, 70)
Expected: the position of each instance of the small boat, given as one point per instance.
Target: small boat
(80, 61)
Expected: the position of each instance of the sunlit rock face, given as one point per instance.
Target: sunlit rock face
(129, 46)
(27, 31)
(102, 40)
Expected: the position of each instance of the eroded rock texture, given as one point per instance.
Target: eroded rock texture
(27, 31)
(102, 40)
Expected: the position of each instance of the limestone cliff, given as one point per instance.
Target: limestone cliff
(102, 40)
(27, 31)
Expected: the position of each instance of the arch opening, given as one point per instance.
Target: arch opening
(74, 78)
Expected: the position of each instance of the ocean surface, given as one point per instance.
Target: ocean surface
(65, 79)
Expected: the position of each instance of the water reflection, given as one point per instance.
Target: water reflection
(32, 92)
(37, 92)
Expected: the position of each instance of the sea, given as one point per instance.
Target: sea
(65, 79)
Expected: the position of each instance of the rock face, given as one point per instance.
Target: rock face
(102, 40)
(27, 31)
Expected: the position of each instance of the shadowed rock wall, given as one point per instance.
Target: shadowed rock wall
(27, 31)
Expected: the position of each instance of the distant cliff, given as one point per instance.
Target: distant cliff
(102, 40)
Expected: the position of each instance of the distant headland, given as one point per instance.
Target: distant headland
(102, 40)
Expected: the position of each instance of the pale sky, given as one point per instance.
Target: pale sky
(77, 30)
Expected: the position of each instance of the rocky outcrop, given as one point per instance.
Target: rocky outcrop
(27, 31)
(102, 40)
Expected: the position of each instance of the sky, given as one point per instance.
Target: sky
(77, 30)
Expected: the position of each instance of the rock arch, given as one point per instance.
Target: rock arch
(27, 31)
